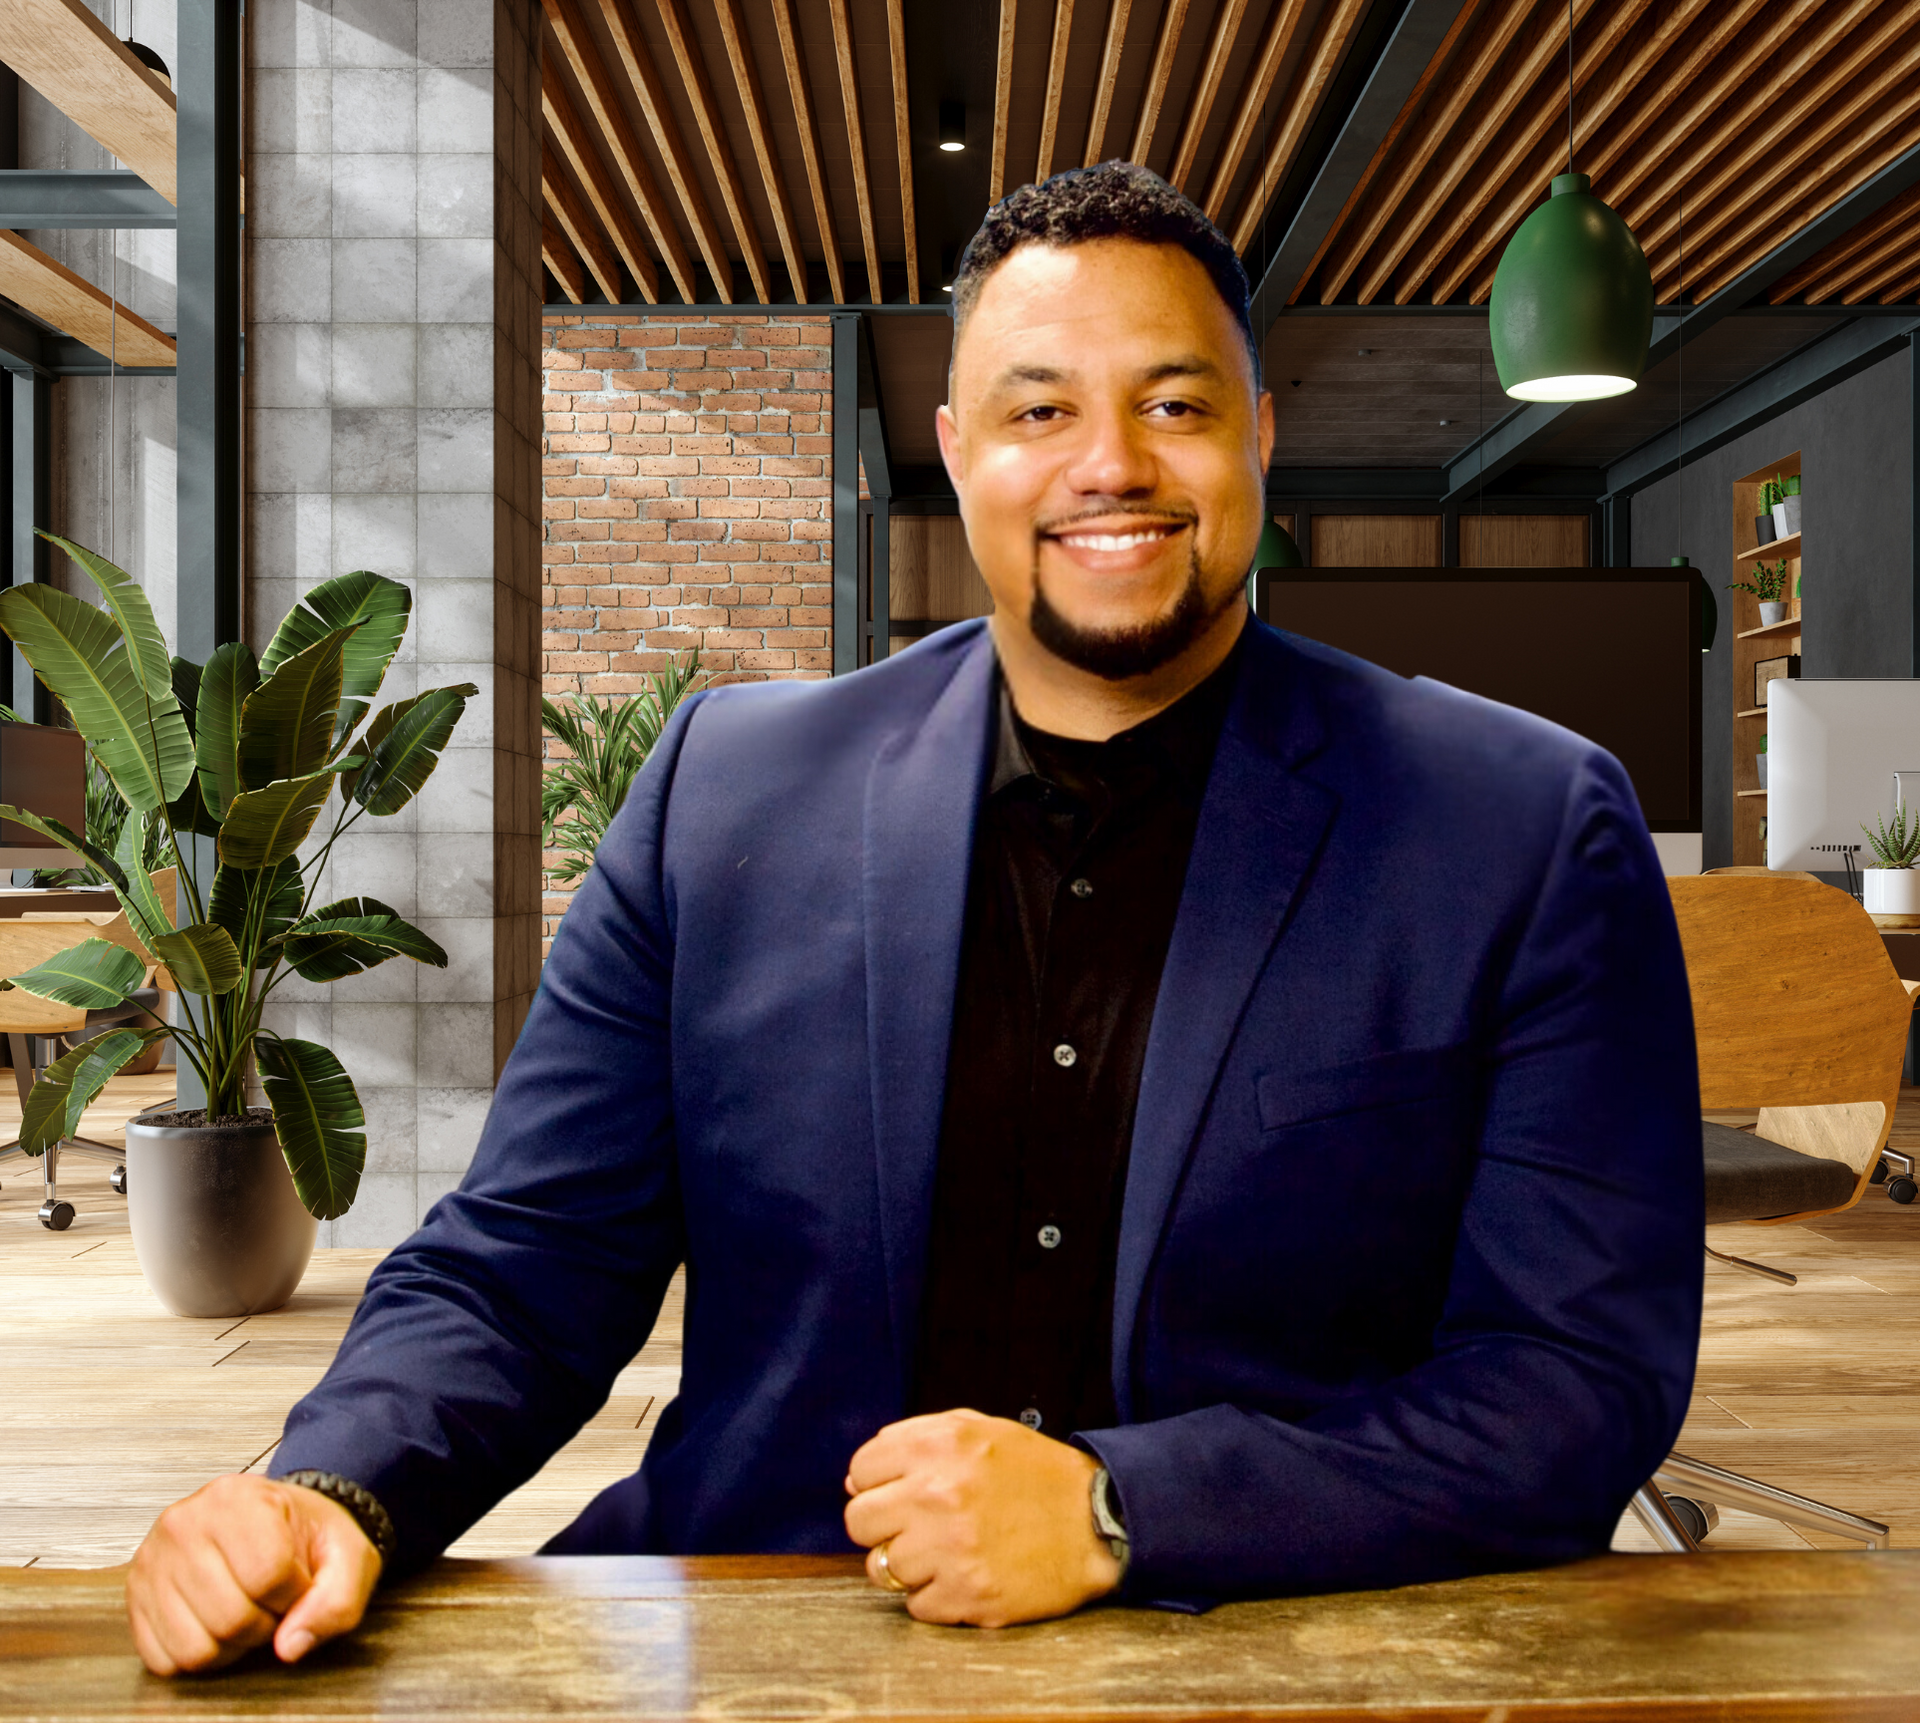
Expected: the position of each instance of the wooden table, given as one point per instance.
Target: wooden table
(1776, 1635)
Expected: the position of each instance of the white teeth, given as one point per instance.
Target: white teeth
(1113, 540)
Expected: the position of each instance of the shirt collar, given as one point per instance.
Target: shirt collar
(1184, 735)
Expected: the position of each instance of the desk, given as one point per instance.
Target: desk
(1777, 1635)
(15, 903)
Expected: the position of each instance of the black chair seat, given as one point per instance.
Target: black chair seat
(1749, 1178)
(143, 1001)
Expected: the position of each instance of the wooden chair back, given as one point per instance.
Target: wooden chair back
(23, 944)
(1797, 1012)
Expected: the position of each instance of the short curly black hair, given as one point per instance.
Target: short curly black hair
(1116, 200)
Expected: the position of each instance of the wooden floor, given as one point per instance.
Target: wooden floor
(110, 1408)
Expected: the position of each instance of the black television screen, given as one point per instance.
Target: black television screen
(1613, 653)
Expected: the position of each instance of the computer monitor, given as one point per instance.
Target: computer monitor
(1612, 653)
(1834, 747)
(43, 770)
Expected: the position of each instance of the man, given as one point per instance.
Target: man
(1147, 1105)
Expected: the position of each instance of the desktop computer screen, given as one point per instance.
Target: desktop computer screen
(43, 770)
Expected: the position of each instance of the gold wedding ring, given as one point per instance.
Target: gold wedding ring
(888, 1577)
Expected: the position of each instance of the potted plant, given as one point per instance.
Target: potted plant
(1760, 762)
(244, 756)
(1763, 521)
(1786, 507)
(1891, 891)
(1769, 586)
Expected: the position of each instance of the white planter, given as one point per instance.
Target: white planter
(1760, 760)
(1772, 613)
(1786, 517)
(1892, 895)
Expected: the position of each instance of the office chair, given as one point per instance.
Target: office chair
(1798, 1012)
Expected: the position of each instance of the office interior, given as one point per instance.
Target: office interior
(614, 331)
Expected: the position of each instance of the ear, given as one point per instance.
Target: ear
(948, 429)
(1263, 412)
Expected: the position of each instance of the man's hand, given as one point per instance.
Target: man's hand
(986, 1522)
(241, 1561)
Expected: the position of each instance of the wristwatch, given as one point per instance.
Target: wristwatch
(1108, 1521)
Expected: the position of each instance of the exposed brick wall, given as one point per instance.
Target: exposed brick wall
(688, 500)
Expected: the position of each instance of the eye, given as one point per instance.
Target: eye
(1040, 415)
(1174, 409)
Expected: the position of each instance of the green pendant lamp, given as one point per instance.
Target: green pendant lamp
(1276, 548)
(1572, 306)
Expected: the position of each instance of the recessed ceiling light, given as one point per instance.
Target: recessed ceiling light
(1446, 421)
(953, 126)
(1364, 351)
(1296, 382)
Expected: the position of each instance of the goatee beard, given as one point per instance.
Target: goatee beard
(1118, 654)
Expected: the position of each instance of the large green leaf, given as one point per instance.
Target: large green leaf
(68, 1087)
(202, 957)
(188, 810)
(67, 838)
(320, 1121)
(230, 677)
(286, 724)
(145, 643)
(403, 745)
(378, 605)
(355, 934)
(149, 917)
(139, 737)
(275, 894)
(264, 827)
(92, 975)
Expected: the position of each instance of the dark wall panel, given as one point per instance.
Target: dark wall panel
(1856, 452)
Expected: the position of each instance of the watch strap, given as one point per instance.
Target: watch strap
(1108, 1521)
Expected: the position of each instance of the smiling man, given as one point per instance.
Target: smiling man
(1148, 1106)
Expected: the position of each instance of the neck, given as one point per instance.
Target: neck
(1057, 697)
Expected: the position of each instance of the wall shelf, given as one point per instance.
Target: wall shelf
(1787, 547)
(1770, 630)
(1752, 642)
(1752, 712)
(1745, 794)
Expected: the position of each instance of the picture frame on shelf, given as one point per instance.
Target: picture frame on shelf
(1772, 670)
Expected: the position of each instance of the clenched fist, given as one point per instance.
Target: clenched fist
(241, 1561)
(983, 1521)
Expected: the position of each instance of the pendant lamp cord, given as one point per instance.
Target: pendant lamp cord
(1569, 86)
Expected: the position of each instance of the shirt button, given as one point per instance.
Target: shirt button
(1049, 1237)
(1063, 1055)
(1081, 888)
(1031, 1418)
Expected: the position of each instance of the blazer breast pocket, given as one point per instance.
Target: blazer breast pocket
(1442, 1079)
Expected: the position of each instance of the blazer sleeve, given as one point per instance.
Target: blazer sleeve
(1561, 1369)
(490, 1336)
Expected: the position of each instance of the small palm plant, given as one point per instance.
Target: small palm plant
(1896, 845)
(1769, 582)
(246, 754)
(608, 741)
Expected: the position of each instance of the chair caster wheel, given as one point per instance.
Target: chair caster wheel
(1902, 1189)
(118, 1180)
(1699, 1518)
(56, 1216)
(1880, 1171)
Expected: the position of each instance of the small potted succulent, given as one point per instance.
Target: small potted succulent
(1891, 890)
(1786, 507)
(1769, 586)
(1763, 521)
(244, 756)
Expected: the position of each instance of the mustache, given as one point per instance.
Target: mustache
(1101, 511)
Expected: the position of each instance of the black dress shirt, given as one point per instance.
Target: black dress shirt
(1078, 861)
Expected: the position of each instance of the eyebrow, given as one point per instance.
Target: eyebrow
(1187, 365)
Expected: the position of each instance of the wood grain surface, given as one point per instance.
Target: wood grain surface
(1773, 1636)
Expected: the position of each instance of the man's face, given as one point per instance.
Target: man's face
(1109, 446)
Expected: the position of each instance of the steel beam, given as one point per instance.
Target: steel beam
(1423, 26)
(846, 492)
(1799, 377)
(29, 494)
(78, 197)
(1913, 457)
(873, 419)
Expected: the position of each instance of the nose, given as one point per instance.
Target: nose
(1113, 459)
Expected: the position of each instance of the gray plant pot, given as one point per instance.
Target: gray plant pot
(1786, 517)
(1762, 759)
(1772, 613)
(216, 1224)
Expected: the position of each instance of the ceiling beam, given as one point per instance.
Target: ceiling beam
(80, 197)
(643, 79)
(903, 141)
(1003, 99)
(89, 74)
(1833, 268)
(1109, 74)
(577, 223)
(793, 62)
(1275, 45)
(1206, 90)
(1056, 86)
(560, 261)
(746, 83)
(699, 93)
(54, 294)
(1420, 44)
(1339, 24)
(1153, 97)
(569, 31)
(856, 137)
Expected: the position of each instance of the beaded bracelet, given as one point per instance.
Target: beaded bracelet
(359, 1501)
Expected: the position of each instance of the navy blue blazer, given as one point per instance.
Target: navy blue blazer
(1409, 1268)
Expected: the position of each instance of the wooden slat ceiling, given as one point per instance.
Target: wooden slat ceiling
(784, 150)
(1749, 118)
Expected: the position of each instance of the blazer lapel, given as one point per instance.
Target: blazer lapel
(1261, 826)
(923, 793)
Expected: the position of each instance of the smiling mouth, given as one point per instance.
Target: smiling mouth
(1087, 538)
